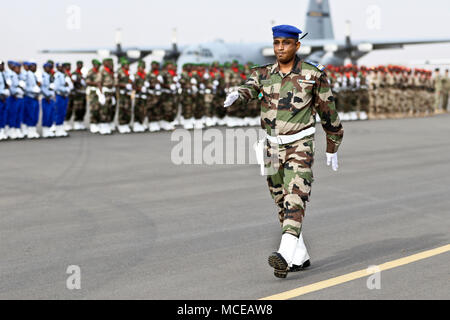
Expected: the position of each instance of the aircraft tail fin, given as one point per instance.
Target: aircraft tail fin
(318, 20)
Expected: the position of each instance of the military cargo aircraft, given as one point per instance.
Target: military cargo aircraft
(319, 46)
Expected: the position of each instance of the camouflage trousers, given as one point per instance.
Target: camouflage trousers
(291, 180)
(124, 109)
(199, 106)
(169, 106)
(77, 106)
(140, 111)
(187, 105)
(363, 100)
(94, 106)
(209, 111)
(108, 110)
(154, 111)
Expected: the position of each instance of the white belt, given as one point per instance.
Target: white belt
(109, 90)
(292, 138)
(92, 88)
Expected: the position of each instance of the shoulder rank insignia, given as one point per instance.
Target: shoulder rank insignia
(317, 65)
(263, 66)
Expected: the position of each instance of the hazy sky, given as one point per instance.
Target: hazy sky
(28, 26)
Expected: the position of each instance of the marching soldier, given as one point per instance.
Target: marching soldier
(108, 91)
(4, 93)
(168, 97)
(31, 102)
(445, 91)
(62, 90)
(154, 112)
(140, 105)
(125, 86)
(93, 82)
(77, 99)
(48, 101)
(187, 97)
(291, 93)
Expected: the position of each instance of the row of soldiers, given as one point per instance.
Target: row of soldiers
(161, 99)
(388, 91)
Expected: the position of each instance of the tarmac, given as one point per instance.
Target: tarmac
(140, 227)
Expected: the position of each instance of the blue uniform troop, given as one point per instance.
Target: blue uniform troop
(62, 99)
(48, 103)
(31, 103)
(4, 93)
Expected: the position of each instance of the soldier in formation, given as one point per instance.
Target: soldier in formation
(160, 98)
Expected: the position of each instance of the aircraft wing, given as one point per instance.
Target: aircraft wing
(400, 43)
(130, 52)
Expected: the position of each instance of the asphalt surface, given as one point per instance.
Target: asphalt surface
(141, 227)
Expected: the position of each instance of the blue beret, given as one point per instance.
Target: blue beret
(11, 62)
(16, 64)
(47, 65)
(286, 31)
(26, 63)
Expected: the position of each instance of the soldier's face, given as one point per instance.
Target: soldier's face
(285, 49)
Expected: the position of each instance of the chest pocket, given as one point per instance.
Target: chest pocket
(303, 93)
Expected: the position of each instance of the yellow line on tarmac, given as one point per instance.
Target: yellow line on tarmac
(357, 274)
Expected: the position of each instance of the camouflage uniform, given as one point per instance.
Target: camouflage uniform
(141, 97)
(94, 76)
(108, 83)
(169, 96)
(124, 82)
(289, 104)
(77, 102)
(187, 98)
(154, 109)
(445, 91)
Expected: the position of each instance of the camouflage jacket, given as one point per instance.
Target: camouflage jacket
(94, 76)
(290, 102)
(78, 83)
(108, 78)
(122, 80)
(139, 81)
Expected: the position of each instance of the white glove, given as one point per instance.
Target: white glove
(146, 84)
(193, 81)
(231, 98)
(173, 87)
(74, 77)
(175, 79)
(36, 89)
(132, 77)
(332, 160)
(215, 83)
(194, 89)
(113, 101)
(129, 87)
(158, 86)
(19, 93)
(208, 91)
(202, 86)
(101, 97)
(144, 90)
(160, 79)
(51, 86)
(206, 76)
